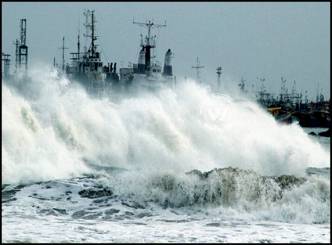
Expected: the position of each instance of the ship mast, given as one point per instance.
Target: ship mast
(16, 43)
(93, 37)
(21, 49)
(283, 90)
(63, 53)
(78, 45)
(90, 26)
(150, 41)
(197, 67)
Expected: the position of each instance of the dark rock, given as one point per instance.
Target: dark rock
(312, 133)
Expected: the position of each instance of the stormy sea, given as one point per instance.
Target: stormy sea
(174, 164)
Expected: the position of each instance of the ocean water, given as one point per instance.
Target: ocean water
(171, 165)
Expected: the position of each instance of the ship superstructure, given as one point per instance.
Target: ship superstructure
(21, 56)
(88, 68)
(148, 68)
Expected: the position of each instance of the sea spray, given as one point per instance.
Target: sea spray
(52, 127)
(221, 194)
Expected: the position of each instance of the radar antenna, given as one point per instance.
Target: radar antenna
(149, 42)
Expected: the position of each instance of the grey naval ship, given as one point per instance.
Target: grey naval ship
(87, 67)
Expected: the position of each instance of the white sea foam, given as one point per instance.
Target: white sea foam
(52, 127)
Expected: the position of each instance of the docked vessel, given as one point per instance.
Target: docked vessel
(88, 68)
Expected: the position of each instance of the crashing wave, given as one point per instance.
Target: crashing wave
(280, 198)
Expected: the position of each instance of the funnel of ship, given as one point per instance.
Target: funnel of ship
(141, 62)
(167, 71)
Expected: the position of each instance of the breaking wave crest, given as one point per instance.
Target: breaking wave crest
(66, 152)
(53, 129)
(224, 193)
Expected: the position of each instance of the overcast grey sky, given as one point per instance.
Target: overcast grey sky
(246, 39)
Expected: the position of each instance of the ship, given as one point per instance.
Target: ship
(87, 67)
